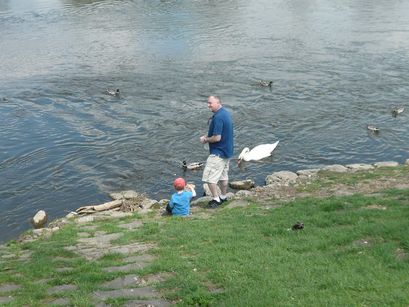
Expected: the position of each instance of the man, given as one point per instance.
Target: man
(220, 139)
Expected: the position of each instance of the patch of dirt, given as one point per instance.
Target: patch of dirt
(264, 194)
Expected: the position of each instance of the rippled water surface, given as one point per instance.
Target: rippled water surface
(336, 65)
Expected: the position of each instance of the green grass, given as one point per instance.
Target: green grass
(345, 256)
(252, 258)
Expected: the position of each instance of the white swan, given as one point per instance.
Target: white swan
(257, 153)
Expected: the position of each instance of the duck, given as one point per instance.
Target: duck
(265, 83)
(373, 128)
(113, 92)
(397, 110)
(298, 226)
(257, 153)
(193, 165)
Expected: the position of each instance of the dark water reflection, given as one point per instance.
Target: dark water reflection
(336, 66)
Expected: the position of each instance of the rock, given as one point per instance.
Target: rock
(39, 219)
(207, 190)
(359, 167)
(386, 164)
(242, 184)
(130, 194)
(163, 202)
(124, 195)
(148, 203)
(202, 201)
(229, 195)
(71, 215)
(338, 168)
(244, 193)
(308, 172)
(41, 232)
(282, 178)
(407, 162)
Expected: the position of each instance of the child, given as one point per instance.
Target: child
(179, 203)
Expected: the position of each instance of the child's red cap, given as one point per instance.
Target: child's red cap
(179, 184)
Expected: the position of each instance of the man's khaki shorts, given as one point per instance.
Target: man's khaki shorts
(216, 169)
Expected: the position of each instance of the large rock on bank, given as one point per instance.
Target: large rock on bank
(242, 184)
(39, 219)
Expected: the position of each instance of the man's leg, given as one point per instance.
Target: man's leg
(224, 181)
(213, 189)
(223, 186)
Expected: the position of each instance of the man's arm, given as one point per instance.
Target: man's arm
(210, 139)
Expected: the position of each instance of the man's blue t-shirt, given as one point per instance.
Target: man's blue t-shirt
(180, 203)
(221, 124)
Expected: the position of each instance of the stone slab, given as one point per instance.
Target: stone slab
(127, 267)
(8, 287)
(144, 292)
(127, 281)
(59, 302)
(144, 303)
(131, 225)
(61, 288)
(101, 240)
(5, 299)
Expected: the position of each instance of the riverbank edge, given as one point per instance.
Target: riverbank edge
(278, 186)
(275, 193)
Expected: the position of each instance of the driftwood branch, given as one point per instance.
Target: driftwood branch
(98, 208)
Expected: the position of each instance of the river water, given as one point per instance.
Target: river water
(336, 65)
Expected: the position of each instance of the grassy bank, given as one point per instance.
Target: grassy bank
(352, 252)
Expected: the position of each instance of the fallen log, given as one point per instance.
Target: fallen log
(98, 208)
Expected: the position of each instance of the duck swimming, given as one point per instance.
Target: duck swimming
(257, 153)
(373, 128)
(265, 83)
(397, 110)
(113, 92)
(193, 165)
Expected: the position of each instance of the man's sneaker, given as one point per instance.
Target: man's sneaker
(222, 200)
(213, 204)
